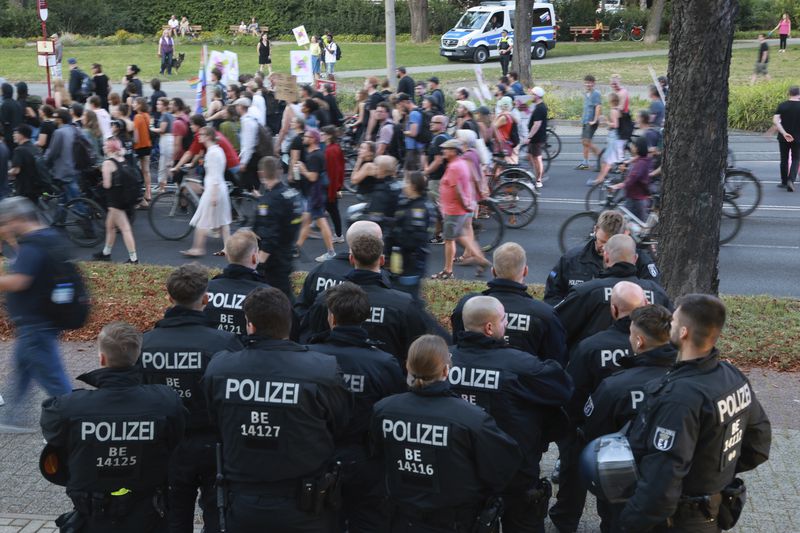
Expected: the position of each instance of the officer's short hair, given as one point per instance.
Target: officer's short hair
(611, 222)
(427, 356)
(704, 315)
(654, 321)
(271, 168)
(187, 284)
(17, 208)
(366, 249)
(479, 311)
(240, 245)
(509, 260)
(620, 249)
(269, 311)
(348, 303)
(121, 343)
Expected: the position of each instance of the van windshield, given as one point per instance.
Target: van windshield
(472, 20)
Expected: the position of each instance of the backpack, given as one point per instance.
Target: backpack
(424, 135)
(82, 152)
(338, 52)
(86, 84)
(625, 126)
(264, 145)
(397, 146)
(67, 303)
(128, 183)
(513, 136)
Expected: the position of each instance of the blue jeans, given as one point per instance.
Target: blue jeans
(166, 63)
(36, 358)
(315, 60)
(331, 67)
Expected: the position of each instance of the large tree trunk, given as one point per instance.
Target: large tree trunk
(654, 21)
(521, 58)
(419, 20)
(695, 144)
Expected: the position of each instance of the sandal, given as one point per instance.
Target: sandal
(458, 260)
(221, 253)
(443, 275)
(190, 253)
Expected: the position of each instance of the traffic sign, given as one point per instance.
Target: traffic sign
(42, 4)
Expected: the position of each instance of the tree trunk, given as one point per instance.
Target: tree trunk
(695, 144)
(419, 20)
(521, 58)
(654, 22)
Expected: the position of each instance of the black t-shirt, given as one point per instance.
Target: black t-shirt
(25, 158)
(315, 162)
(406, 85)
(790, 117)
(539, 114)
(372, 101)
(48, 128)
(761, 49)
(432, 151)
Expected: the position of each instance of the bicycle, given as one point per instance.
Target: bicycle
(552, 146)
(743, 188)
(82, 219)
(488, 226)
(634, 32)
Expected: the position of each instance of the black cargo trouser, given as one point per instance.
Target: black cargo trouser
(571, 497)
(192, 467)
(362, 492)
(256, 512)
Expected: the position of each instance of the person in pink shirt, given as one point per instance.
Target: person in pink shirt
(457, 203)
(784, 27)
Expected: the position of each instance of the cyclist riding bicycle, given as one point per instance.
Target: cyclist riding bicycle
(637, 181)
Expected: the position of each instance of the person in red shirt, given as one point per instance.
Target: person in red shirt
(334, 165)
(196, 150)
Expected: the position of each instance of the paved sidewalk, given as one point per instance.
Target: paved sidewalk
(28, 503)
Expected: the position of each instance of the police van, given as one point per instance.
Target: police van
(477, 33)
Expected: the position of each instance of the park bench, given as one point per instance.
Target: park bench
(234, 29)
(587, 31)
(195, 28)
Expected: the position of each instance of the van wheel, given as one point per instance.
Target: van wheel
(539, 51)
(481, 54)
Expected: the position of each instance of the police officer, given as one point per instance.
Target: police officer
(176, 353)
(371, 374)
(333, 271)
(395, 318)
(521, 392)
(700, 426)
(585, 310)
(227, 291)
(279, 406)
(504, 49)
(443, 458)
(533, 326)
(410, 235)
(593, 359)
(117, 441)
(383, 200)
(585, 263)
(277, 224)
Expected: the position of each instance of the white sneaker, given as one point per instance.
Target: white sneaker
(538, 184)
(325, 257)
(338, 240)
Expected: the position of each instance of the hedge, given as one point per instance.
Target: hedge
(751, 107)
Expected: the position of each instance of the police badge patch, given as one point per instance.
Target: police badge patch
(589, 407)
(653, 270)
(663, 439)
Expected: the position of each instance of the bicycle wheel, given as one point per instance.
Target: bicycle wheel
(349, 162)
(170, 213)
(743, 188)
(553, 143)
(243, 209)
(577, 230)
(731, 160)
(600, 198)
(616, 34)
(516, 174)
(730, 222)
(546, 157)
(488, 225)
(636, 33)
(85, 222)
(517, 203)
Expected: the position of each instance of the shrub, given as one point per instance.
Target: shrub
(750, 107)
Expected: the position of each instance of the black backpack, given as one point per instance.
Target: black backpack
(338, 52)
(424, 134)
(625, 126)
(82, 152)
(67, 302)
(397, 147)
(264, 145)
(128, 183)
(513, 137)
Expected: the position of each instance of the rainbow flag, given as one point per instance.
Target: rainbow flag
(200, 86)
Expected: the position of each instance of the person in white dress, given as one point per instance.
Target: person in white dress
(214, 209)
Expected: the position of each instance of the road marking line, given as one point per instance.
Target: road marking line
(769, 246)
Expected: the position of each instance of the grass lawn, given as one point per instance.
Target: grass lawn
(20, 63)
(761, 331)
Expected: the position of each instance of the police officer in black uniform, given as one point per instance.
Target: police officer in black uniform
(395, 318)
(371, 374)
(585, 310)
(701, 424)
(444, 459)
(227, 291)
(504, 49)
(277, 224)
(279, 407)
(533, 326)
(410, 234)
(584, 263)
(617, 399)
(521, 392)
(593, 359)
(176, 353)
(116, 441)
(385, 195)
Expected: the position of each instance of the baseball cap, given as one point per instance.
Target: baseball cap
(403, 97)
(538, 91)
(452, 143)
(434, 79)
(469, 105)
(72, 60)
(242, 102)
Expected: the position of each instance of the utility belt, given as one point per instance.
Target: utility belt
(724, 507)
(461, 519)
(111, 505)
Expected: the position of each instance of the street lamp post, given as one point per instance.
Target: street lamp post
(42, 5)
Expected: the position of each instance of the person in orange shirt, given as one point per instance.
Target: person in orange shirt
(142, 145)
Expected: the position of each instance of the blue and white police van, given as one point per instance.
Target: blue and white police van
(477, 33)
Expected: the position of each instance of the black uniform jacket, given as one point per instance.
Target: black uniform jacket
(226, 294)
(279, 407)
(370, 373)
(619, 396)
(533, 326)
(177, 352)
(439, 451)
(518, 390)
(586, 309)
(582, 264)
(118, 436)
(701, 424)
(277, 220)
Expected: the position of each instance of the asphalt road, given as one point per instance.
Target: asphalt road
(761, 260)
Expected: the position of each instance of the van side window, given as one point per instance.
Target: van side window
(541, 17)
(496, 22)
